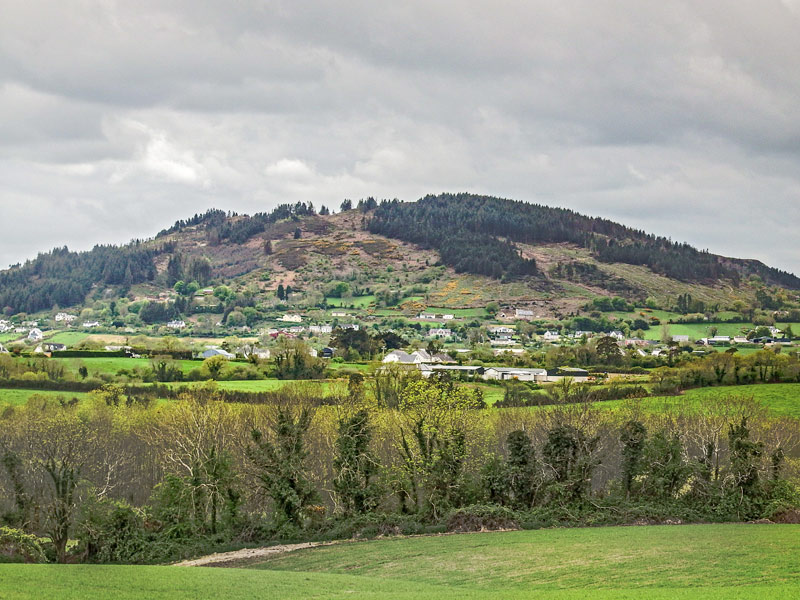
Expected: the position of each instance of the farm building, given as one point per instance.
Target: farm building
(572, 372)
(508, 373)
(217, 352)
(427, 370)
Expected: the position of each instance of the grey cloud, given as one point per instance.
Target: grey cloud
(119, 118)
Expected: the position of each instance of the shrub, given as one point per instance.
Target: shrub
(18, 546)
(482, 518)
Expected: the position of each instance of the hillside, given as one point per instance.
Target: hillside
(454, 251)
(705, 561)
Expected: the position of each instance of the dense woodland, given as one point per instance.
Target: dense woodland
(62, 277)
(435, 221)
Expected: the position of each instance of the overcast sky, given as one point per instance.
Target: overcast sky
(681, 118)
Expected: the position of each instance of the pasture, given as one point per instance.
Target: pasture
(113, 365)
(782, 399)
(607, 561)
(70, 338)
(610, 563)
(352, 302)
(16, 397)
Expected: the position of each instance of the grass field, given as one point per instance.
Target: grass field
(708, 557)
(354, 302)
(781, 398)
(115, 364)
(70, 338)
(718, 562)
(14, 397)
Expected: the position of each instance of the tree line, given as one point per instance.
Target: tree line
(64, 278)
(135, 483)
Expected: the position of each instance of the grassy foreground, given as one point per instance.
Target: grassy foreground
(614, 563)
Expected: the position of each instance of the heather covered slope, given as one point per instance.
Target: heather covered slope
(449, 250)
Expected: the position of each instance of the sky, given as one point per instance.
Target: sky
(680, 118)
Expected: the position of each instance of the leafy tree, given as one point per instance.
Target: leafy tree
(355, 465)
(214, 365)
(607, 350)
(433, 442)
(568, 455)
(633, 438)
(280, 462)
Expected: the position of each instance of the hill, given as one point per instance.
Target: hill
(705, 561)
(454, 251)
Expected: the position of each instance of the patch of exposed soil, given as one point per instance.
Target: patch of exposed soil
(245, 555)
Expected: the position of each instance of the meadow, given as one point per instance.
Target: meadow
(16, 397)
(352, 302)
(113, 365)
(610, 563)
(782, 399)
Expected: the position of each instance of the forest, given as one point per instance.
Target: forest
(62, 277)
(491, 226)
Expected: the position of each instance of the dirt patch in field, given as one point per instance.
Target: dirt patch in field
(238, 558)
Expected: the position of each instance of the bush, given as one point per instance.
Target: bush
(18, 546)
(482, 518)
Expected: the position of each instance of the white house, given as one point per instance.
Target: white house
(320, 329)
(508, 373)
(440, 333)
(681, 339)
(617, 335)
(512, 351)
(176, 324)
(579, 334)
(217, 352)
(501, 332)
(35, 335)
(448, 317)
(287, 318)
(416, 357)
(720, 339)
(426, 317)
(91, 324)
(400, 356)
(522, 313)
(338, 313)
(63, 317)
(551, 336)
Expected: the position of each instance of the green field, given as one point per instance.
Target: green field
(707, 558)
(70, 338)
(718, 562)
(21, 396)
(783, 399)
(354, 302)
(114, 364)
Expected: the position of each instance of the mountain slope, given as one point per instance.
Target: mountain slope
(449, 250)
